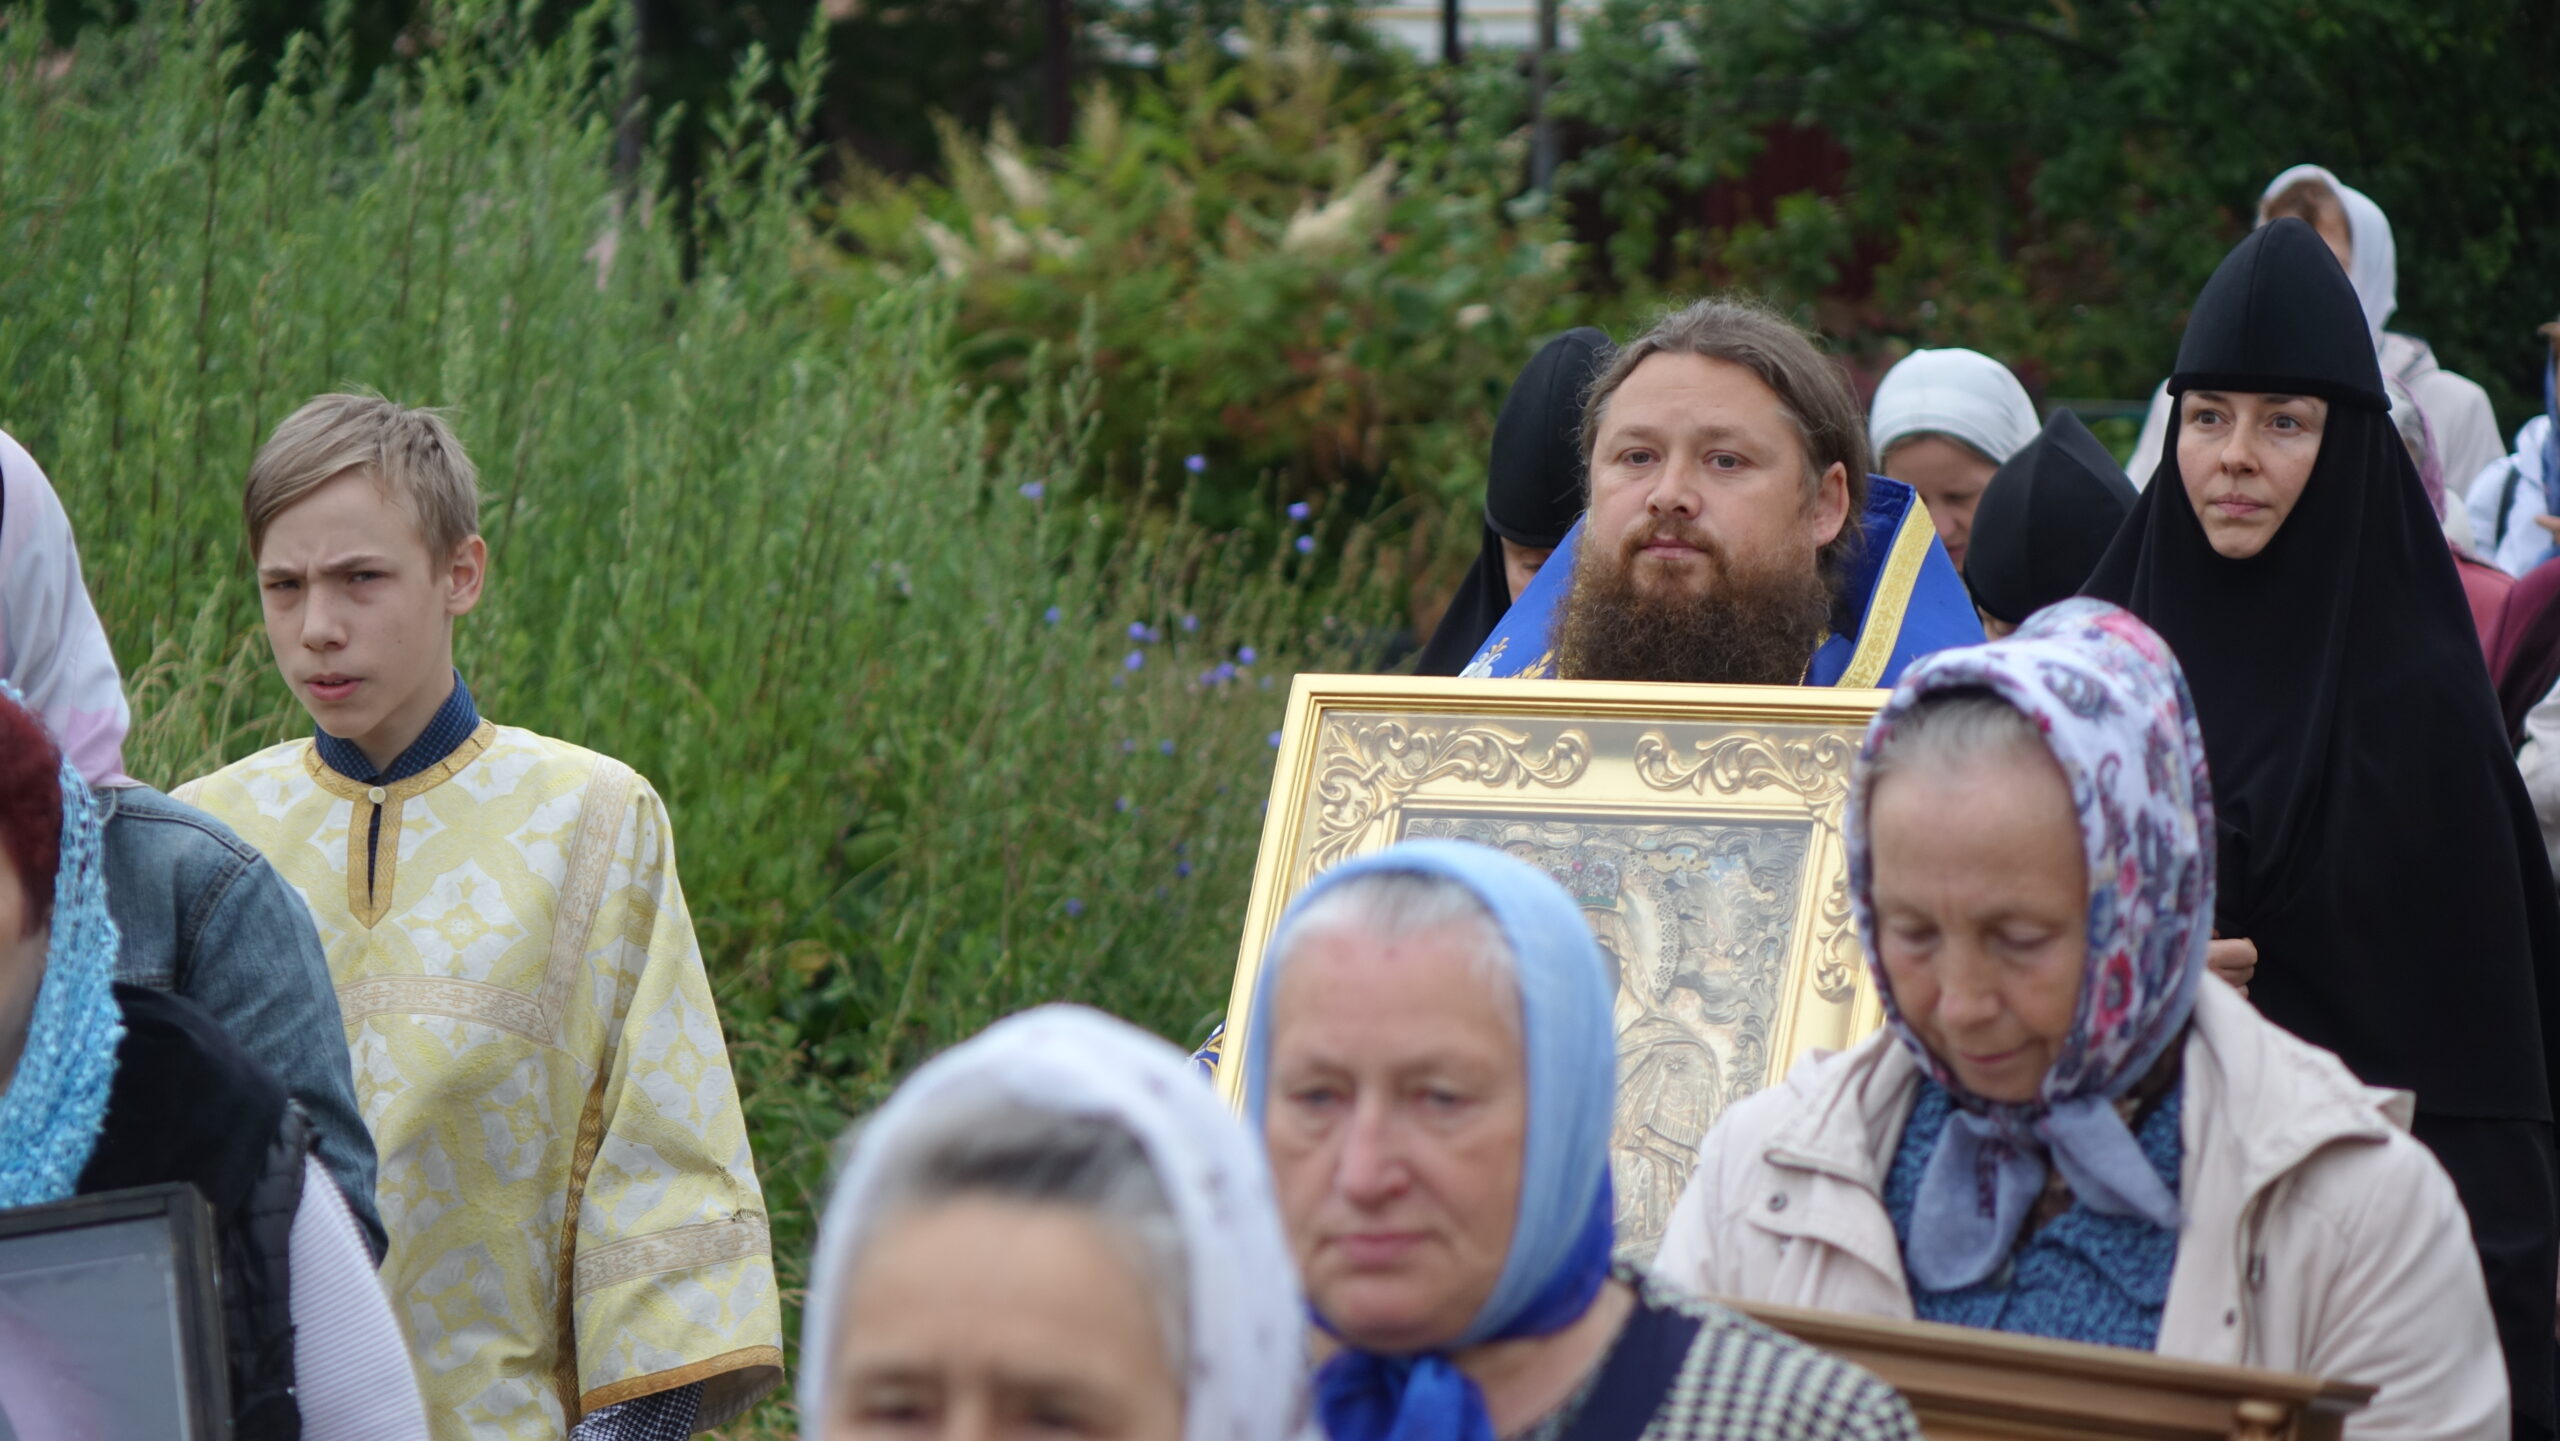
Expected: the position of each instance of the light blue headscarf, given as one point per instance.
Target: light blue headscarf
(1562, 1236)
(57, 1100)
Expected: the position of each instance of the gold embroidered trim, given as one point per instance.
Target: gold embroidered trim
(537, 1017)
(573, 914)
(348, 788)
(1882, 628)
(745, 1359)
(369, 903)
(582, 1159)
(685, 1248)
(514, 1012)
(368, 895)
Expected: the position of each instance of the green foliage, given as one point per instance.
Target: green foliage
(770, 550)
(1287, 272)
(2051, 180)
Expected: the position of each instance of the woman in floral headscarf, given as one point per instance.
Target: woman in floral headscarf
(2060, 1131)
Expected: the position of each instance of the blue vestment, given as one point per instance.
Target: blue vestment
(1900, 598)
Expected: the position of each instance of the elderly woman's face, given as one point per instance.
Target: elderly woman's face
(990, 1319)
(2245, 459)
(1981, 914)
(1397, 1118)
(1951, 477)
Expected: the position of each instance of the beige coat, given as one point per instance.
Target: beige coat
(2320, 1236)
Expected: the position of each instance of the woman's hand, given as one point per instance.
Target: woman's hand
(2234, 961)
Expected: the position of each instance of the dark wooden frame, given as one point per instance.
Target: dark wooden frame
(1968, 1385)
(186, 1227)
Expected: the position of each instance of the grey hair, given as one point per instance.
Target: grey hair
(1950, 727)
(1813, 393)
(1012, 1151)
(1392, 905)
(1884, 458)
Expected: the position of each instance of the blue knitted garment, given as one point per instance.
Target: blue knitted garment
(57, 1099)
(2083, 1276)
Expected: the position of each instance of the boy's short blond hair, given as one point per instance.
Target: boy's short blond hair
(412, 454)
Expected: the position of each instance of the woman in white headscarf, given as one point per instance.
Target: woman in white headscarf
(1942, 422)
(1055, 1222)
(2457, 410)
(51, 645)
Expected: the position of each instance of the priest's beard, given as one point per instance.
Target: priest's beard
(1756, 626)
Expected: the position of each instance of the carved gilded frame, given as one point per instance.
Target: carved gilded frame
(1699, 825)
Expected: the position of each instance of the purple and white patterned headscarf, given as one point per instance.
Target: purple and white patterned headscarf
(2112, 706)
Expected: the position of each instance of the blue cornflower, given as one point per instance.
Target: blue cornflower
(1075, 908)
(1195, 463)
(1032, 490)
(1306, 545)
(1165, 746)
(1300, 510)
(1274, 738)
(1190, 623)
(1246, 655)
(1134, 660)
(1183, 869)
(1051, 615)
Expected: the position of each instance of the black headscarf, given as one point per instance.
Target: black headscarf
(2044, 521)
(2377, 843)
(1532, 489)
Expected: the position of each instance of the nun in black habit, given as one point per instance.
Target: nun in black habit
(2377, 842)
(1532, 492)
(2045, 520)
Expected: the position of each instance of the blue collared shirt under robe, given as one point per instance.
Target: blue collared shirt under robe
(452, 724)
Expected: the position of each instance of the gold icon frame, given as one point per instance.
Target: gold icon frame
(1699, 827)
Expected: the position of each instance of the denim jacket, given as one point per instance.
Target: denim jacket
(203, 915)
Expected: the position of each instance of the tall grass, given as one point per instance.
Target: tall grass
(940, 742)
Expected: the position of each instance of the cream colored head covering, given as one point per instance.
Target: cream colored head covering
(1246, 1347)
(2373, 267)
(1962, 394)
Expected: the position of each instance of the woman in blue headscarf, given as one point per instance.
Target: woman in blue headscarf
(1431, 1066)
(2062, 1131)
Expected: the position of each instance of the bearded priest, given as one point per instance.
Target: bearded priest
(1732, 533)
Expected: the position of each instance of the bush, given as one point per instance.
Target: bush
(2053, 182)
(939, 742)
(1288, 272)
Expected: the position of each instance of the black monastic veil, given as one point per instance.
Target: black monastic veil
(2045, 520)
(2377, 843)
(1533, 488)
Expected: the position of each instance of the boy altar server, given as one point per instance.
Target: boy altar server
(577, 1235)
